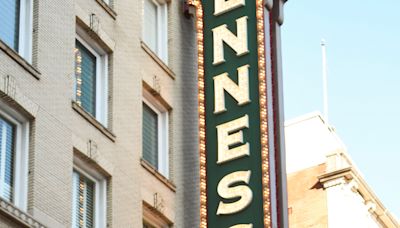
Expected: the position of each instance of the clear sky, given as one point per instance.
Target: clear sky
(363, 52)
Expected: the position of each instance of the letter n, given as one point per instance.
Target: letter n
(237, 43)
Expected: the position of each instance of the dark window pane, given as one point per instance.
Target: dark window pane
(84, 205)
(150, 136)
(87, 96)
(89, 203)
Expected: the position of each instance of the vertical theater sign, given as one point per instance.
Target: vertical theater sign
(242, 184)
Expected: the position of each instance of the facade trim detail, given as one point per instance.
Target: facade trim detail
(10, 93)
(25, 219)
(93, 121)
(21, 61)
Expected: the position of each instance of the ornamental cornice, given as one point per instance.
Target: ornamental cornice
(20, 217)
(334, 182)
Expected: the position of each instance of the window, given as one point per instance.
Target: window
(16, 26)
(13, 158)
(7, 140)
(91, 79)
(155, 136)
(88, 200)
(155, 29)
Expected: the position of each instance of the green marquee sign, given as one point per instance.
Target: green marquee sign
(234, 151)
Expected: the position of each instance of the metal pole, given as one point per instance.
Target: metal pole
(325, 80)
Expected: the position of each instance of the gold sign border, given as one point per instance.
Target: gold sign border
(263, 112)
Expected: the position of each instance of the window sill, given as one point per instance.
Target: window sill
(93, 121)
(158, 60)
(107, 8)
(158, 175)
(22, 62)
(20, 217)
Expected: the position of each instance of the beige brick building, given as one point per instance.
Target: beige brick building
(79, 83)
(98, 114)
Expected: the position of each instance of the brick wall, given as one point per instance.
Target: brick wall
(185, 119)
(307, 199)
(59, 132)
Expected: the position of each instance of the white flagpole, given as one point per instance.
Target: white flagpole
(325, 80)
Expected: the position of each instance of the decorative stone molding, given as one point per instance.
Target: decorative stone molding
(158, 203)
(334, 182)
(92, 27)
(278, 10)
(351, 179)
(149, 89)
(94, 23)
(269, 4)
(100, 165)
(11, 93)
(88, 150)
(154, 216)
(371, 206)
(92, 149)
(21, 217)
(345, 174)
(353, 186)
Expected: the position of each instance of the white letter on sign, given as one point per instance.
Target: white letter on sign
(240, 92)
(237, 43)
(242, 226)
(222, 6)
(227, 192)
(226, 139)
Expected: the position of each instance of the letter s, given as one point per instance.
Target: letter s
(225, 190)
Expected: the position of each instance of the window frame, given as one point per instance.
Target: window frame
(21, 155)
(161, 49)
(163, 132)
(102, 89)
(25, 30)
(100, 193)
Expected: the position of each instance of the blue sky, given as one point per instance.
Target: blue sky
(363, 52)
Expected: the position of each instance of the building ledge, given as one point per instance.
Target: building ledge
(21, 61)
(16, 98)
(351, 174)
(158, 175)
(107, 8)
(19, 216)
(345, 172)
(159, 214)
(157, 60)
(93, 121)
